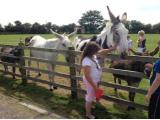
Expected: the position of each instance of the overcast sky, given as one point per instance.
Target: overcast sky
(62, 12)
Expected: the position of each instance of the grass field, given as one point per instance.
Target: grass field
(59, 101)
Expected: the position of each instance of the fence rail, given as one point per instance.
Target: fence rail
(109, 70)
(110, 56)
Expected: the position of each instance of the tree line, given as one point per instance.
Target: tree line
(91, 22)
(26, 28)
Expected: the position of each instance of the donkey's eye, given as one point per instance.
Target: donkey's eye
(117, 34)
(116, 37)
(64, 45)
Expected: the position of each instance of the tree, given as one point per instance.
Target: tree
(67, 28)
(135, 26)
(27, 28)
(18, 28)
(55, 27)
(1, 28)
(9, 27)
(148, 28)
(127, 24)
(38, 29)
(156, 28)
(48, 26)
(91, 20)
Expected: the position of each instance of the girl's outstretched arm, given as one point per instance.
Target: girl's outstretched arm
(104, 52)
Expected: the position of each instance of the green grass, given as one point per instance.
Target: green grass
(62, 103)
(14, 39)
(151, 42)
(152, 39)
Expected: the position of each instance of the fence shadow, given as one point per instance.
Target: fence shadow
(132, 114)
(62, 105)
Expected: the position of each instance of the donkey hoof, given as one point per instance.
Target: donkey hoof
(55, 87)
(50, 89)
(130, 108)
(39, 74)
(115, 90)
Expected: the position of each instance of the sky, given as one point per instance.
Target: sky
(63, 12)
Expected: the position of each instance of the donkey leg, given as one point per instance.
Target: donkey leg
(115, 81)
(51, 77)
(119, 81)
(131, 98)
(5, 68)
(132, 94)
(53, 85)
(14, 71)
(134, 84)
(39, 73)
(29, 64)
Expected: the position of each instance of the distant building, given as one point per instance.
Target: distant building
(81, 29)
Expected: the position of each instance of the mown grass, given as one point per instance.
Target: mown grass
(60, 102)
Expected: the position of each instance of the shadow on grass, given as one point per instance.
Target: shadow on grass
(132, 114)
(62, 105)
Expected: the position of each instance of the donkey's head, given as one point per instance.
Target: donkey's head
(117, 33)
(64, 41)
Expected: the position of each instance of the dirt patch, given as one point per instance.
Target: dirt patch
(11, 108)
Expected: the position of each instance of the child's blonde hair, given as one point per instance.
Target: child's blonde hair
(141, 33)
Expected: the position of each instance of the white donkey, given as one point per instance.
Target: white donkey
(113, 33)
(62, 42)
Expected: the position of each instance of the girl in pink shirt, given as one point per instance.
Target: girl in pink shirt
(92, 73)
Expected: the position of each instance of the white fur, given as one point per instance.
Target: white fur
(123, 32)
(54, 43)
(123, 45)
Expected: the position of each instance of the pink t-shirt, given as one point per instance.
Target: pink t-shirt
(96, 70)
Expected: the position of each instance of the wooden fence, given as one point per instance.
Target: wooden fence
(74, 78)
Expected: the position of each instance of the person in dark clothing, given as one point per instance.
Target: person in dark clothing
(153, 95)
(148, 65)
(141, 41)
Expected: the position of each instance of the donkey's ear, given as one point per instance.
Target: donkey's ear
(124, 17)
(73, 33)
(118, 18)
(56, 34)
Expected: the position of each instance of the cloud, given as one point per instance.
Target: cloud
(69, 11)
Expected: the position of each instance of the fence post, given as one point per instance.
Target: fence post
(22, 64)
(73, 74)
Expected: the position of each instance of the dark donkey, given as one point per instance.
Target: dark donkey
(136, 66)
(14, 57)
